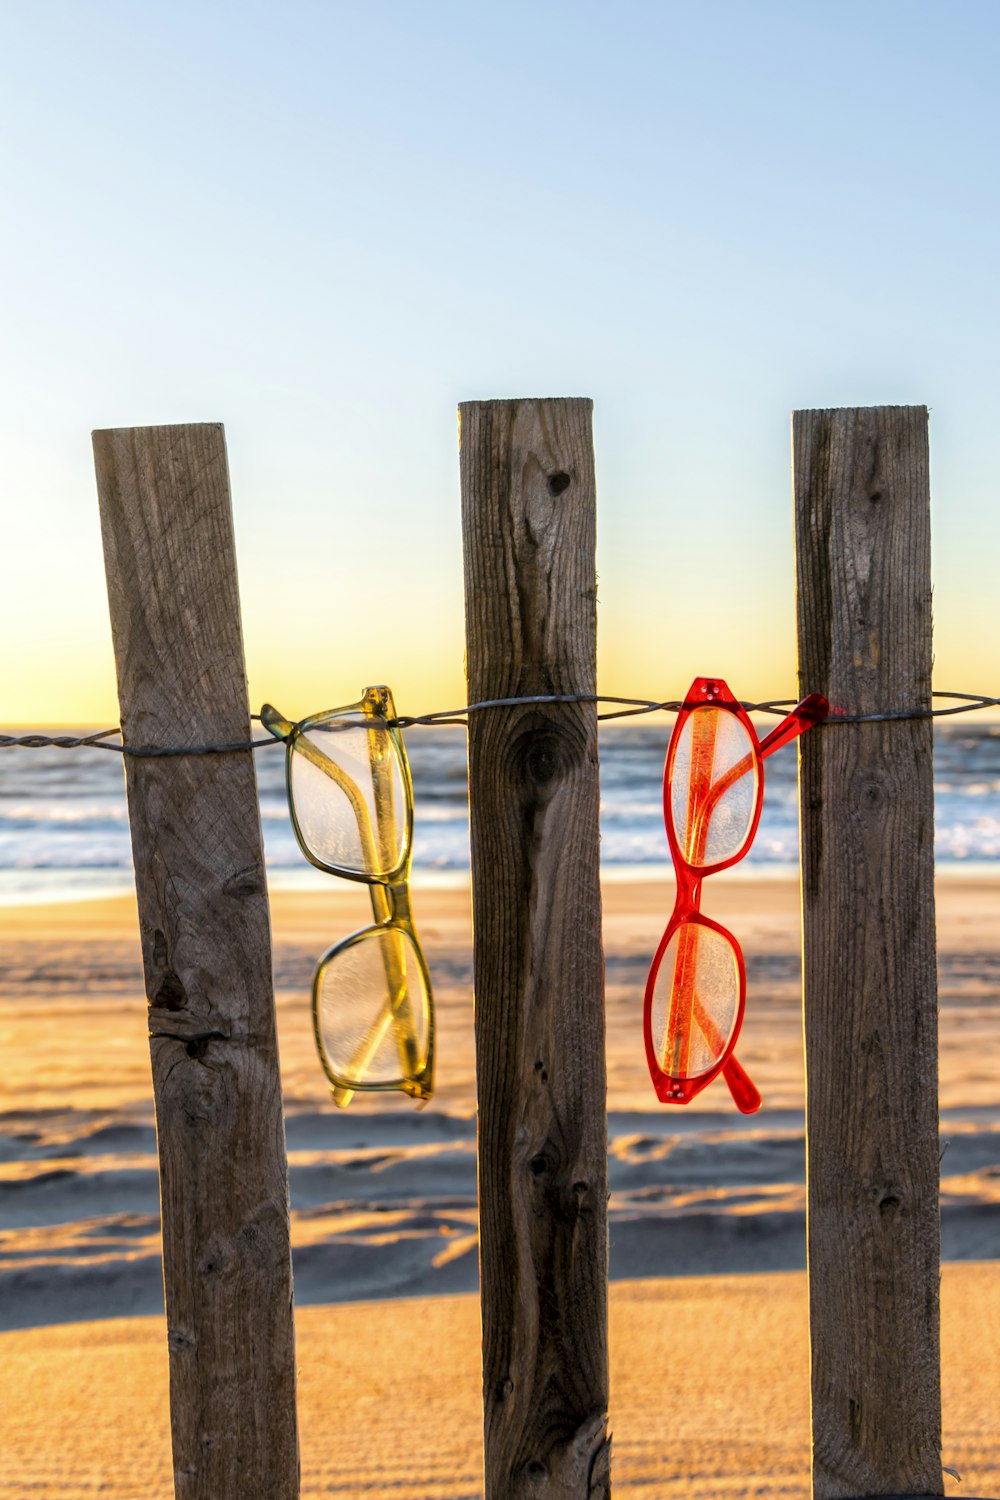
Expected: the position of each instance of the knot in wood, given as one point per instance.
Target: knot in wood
(544, 759)
(873, 791)
(558, 483)
(214, 1263)
(164, 988)
(571, 1466)
(171, 994)
(554, 1197)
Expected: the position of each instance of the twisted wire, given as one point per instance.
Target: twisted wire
(626, 708)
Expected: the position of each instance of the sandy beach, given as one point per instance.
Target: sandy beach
(707, 1217)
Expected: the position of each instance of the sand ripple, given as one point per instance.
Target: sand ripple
(386, 1205)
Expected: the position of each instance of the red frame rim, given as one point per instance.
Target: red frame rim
(704, 692)
(714, 692)
(709, 692)
(670, 1089)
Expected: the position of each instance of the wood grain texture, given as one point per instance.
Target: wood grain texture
(862, 517)
(528, 513)
(206, 947)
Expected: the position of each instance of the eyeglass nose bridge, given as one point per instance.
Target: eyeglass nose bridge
(391, 905)
(687, 898)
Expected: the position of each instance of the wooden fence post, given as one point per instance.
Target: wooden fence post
(862, 516)
(206, 947)
(528, 515)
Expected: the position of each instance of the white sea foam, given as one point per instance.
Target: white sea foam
(64, 823)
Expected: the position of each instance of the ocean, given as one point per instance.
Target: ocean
(64, 830)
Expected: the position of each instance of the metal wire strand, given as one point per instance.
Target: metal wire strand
(626, 708)
(100, 741)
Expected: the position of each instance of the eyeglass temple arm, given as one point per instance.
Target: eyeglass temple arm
(812, 710)
(746, 1095)
(397, 1010)
(385, 816)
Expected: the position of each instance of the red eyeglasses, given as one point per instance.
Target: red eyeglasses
(713, 791)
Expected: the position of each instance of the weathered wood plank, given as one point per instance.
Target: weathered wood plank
(528, 512)
(206, 947)
(862, 515)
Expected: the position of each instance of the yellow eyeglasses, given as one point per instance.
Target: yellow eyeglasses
(351, 800)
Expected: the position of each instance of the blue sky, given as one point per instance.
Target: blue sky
(327, 224)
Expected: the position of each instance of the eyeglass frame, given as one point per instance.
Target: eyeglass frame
(713, 692)
(389, 891)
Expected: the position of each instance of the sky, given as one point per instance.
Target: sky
(326, 224)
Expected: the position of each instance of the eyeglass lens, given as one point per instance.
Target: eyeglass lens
(373, 1009)
(349, 793)
(695, 1000)
(713, 787)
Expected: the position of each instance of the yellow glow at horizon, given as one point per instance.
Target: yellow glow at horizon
(75, 684)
